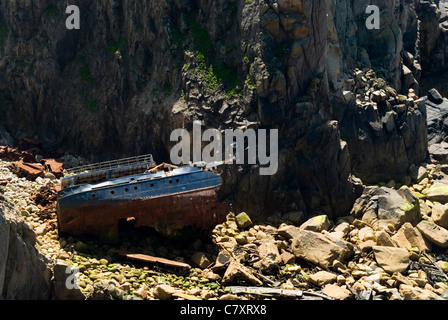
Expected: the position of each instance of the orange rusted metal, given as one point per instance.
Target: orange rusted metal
(54, 166)
(28, 170)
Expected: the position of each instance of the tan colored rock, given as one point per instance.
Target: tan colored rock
(416, 293)
(440, 214)
(229, 296)
(288, 232)
(237, 273)
(322, 277)
(316, 224)
(287, 257)
(391, 259)
(141, 292)
(443, 265)
(320, 249)
(336, 292)
(201, 259)
(367, 246)
(408, 237)
(434, 233)
(437, 192)
(163, 292)
(366, 233)
(343, 227)
(270, 257)
(384, 239)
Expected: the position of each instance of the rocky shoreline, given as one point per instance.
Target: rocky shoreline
(391, 246)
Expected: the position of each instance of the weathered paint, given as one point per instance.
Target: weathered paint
(165, 200)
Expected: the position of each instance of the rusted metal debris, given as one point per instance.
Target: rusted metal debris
(155, 260)
(12, 154)
(30, 171)
(45, 198)
(53, 166)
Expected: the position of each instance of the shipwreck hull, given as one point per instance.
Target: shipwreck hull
(164, 197)
(167, 214)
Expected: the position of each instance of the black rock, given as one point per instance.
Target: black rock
(434, 96)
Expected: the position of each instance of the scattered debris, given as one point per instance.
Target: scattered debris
(183, 267)
(30, 171)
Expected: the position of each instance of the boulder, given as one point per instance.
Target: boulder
(316, 224)
(437, 192)
(243, 220)
(366, 234)
(163, 292)
(336, 292)
(320, 249)
(222, 261)
(418, 173)
(270, 257)
(408, 237)
(416, 293)
(434, 233)
(322, 277)
(384, 239)
(379, 207)
(434, 96)
(392, 259)
(440, 214)
(288, 232)
(201, 259)
(237, 273)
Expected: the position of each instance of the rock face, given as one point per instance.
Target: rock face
(24, 274)
(136, 71)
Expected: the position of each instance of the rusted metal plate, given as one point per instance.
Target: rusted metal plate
(154, 260)
(28, 170)
(54, 166)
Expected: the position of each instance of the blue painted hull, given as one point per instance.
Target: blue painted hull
(166, 201)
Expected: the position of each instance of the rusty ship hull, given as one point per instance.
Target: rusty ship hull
(166, 200)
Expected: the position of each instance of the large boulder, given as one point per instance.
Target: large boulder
(321, 249)
(408, 237)
(380, 207)
(24, 274)
(434, 233)
(437, 192)
(392, 259)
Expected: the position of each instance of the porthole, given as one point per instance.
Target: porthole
(135, 188)
(126, 189)
(112, 192)
(177, 180)
(170, 181)
(93, 195)
(152, 185)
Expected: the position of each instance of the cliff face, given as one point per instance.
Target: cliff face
(136, 70)
(24, 274)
